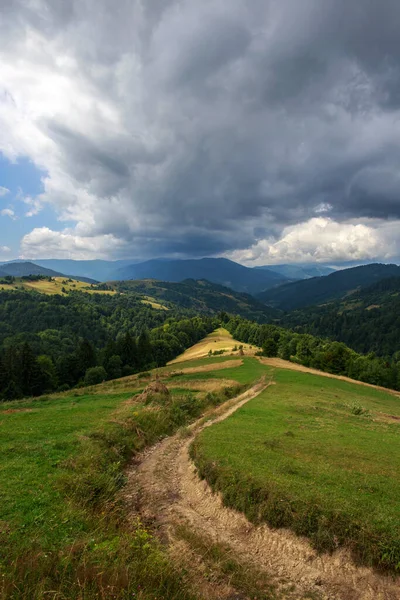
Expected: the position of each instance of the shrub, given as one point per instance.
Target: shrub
(95, 375)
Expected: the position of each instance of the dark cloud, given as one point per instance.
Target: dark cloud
(201, 127)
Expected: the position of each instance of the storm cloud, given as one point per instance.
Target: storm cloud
(265, 130)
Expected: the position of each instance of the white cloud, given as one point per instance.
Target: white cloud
(323, 240)
(8, 212)
(44, 243)
(4, 191)
(35, 206)
(5, 249)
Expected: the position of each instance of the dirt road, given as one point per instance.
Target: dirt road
(165, 489)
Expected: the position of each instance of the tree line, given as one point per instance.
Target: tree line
(319, 353)
(50, 343)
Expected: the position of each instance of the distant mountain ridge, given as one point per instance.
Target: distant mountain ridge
(218, 270)
(317, 290)
(221, 271)
(23, 269)
(99, 270)
(300, 271)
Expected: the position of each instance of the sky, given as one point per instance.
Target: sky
(264, 131)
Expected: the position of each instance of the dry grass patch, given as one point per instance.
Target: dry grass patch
(207, 385)
(220, 340)
(228, 364)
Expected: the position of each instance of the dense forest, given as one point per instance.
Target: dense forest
(55, 342)
(367, 321)
(310, 351)
(201, 296)
(292, 296)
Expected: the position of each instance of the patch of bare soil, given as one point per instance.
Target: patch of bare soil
(385, 418)
(166, 490)
(285, 364)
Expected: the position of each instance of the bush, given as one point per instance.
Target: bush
(95, 375)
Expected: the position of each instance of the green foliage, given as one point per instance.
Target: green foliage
(95, 375)
(292, 296)
(80, 332)
(368, 320)
(63, 461)
(201, 296)
(318, 353)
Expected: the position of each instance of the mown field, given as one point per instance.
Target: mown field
(317, 455)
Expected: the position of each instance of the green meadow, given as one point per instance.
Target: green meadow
(311, 453)
(63, 526)
(317, 455)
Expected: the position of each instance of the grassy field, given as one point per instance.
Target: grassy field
(55, 286)
(219, 340)
(62, 529)
(317, 455)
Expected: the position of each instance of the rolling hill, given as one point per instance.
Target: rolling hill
(23, 269)
(367, 320)
(217, 270)
(301, 271)
(201, 296)
(318, 290)
(99, 270)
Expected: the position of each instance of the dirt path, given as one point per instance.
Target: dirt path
(165, 488)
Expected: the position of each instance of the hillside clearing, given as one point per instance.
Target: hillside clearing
(57, 285)
(219, 340)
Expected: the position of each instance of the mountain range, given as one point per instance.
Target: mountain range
(298, 294)
(217, 270)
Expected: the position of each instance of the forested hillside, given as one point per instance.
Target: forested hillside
(200, 296)
(319, 353)
(368, 320)
(317, 290)
(55, 342)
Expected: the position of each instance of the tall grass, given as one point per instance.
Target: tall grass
(111, 557)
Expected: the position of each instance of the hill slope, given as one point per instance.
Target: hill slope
(217, 270)
(321, 289)
(24, 269)
(368, 320)
(301, 271)
(100, 270)
(201, 296)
